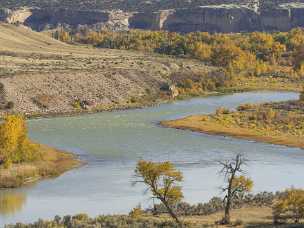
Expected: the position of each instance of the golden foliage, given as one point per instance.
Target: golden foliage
(232, 57)
(15, 147)
(242, 184)
(202, 51)
(296, 38)
(161, 179)
(136, 212)
(289, 206)
(62, 35)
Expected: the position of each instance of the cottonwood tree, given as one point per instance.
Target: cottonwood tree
(236, 183)
(162, 180)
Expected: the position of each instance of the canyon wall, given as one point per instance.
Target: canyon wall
(224, 18)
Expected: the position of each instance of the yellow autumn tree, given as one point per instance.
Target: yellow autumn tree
(289, 206)
(162, 180)
(15, 146)
(232, 57)
(261, 44)
(62, 35)
(298, 60)
(296, 38)
(202, 51)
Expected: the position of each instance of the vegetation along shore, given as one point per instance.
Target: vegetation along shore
(92, 71)
(23, 161)
(238, 208)
(278, 123)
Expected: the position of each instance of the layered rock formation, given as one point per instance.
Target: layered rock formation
(251, 16)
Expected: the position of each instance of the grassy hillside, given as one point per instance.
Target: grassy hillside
(41, 75)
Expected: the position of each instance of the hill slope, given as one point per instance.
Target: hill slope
(42, 75)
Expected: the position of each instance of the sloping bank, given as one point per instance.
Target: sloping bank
(279, 123)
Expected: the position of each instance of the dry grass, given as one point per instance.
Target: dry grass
(251, 217)
(247, 217)
(227, 124)
(267, 83)
(34, 65)
(52, 164)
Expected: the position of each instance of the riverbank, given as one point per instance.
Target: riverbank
(44, 77)
(254, 217)
(53, 163)
(277, 123)
(159, 101)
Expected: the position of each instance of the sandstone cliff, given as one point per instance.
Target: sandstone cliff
(253, 15)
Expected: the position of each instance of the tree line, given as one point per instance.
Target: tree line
(254, 53)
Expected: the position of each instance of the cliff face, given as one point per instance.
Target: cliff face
(282, 18)
(44, 18)
(150, 20)
(223, 18)
(211, 18)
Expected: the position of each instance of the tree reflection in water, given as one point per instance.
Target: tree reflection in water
(11, 201)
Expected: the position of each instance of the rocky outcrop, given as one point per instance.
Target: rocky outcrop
(150, 20)
(223, 18)
(252, 15)
(45, 18)
(15, 16)
(282, 18)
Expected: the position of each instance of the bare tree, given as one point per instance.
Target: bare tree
(236, 183)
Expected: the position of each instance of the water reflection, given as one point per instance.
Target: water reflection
(11, 202)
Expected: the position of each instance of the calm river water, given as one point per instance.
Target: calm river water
(112, 142)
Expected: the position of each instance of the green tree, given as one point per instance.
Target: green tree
(236, 184)
(162, 180)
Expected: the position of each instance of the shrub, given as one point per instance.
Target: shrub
(44, 101)
(76, 104)
(164, 86)
(245, 107)
(136, 212)
(289, 206)
(81, 217)
(222, 110)
(301, 96)
(10, 105)
(133, 100)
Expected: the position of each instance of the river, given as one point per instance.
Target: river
(112, 142)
